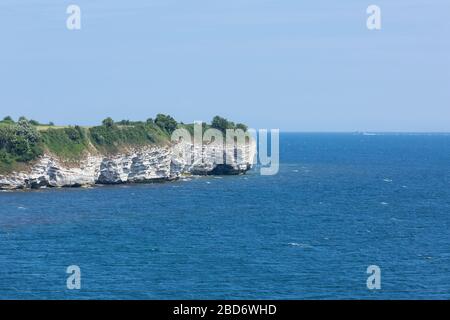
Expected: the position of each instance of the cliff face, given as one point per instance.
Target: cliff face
(145, 164)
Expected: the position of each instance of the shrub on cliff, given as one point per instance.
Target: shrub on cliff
(19, 142)
(24, 129)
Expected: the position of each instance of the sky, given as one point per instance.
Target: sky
(287, 64)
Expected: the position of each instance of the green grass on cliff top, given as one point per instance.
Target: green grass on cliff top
(23, 141)
(70, 143)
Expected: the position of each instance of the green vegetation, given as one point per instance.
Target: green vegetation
(68, 143)
(111, 137)
(19, 142)
(223, 124)
(166, 123)
(25, 140)
(7, 120)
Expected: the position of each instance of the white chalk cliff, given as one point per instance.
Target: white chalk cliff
(143, 164)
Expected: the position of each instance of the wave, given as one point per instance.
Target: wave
(300, 245)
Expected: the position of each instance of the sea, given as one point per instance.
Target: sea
(341, 206)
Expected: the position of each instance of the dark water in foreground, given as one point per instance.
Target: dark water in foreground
(340, 203)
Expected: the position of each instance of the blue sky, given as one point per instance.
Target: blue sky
(288, 64)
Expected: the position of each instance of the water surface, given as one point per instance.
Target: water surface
(340, 203)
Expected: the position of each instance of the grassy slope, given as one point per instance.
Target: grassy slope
(71, 142)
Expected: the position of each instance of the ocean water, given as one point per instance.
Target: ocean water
(340, 203)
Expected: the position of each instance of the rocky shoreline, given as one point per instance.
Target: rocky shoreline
(136, 165)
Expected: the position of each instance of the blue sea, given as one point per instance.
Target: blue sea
(340, 203)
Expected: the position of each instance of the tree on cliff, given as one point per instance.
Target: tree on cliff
(241, 126)
(166, 123)
(221, 124)
(108, 122)
(8, 119)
